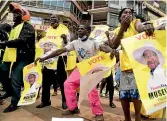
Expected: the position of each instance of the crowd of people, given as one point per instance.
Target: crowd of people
(20, 39)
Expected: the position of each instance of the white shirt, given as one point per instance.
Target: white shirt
(84, 49)
(157, 80)
(33, 88)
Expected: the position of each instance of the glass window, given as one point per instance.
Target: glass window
(72, 8)
(116, 2)
(67, 4)
(60, 3)
(46, 2)
(53, 2)
(162, 7)
(113, 20)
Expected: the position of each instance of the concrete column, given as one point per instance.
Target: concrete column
(91, 23)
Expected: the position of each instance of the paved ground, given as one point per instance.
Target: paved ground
(31, 113)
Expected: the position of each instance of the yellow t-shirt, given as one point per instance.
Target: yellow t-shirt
(124, 60)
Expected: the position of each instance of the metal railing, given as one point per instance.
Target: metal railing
(42, 5)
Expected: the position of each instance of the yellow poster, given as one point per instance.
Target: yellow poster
(32, 78)
(159, 22)
(92, 71)
(99, 33)
(51, 42)
(148, 56)
(44, 48)
(102, 59)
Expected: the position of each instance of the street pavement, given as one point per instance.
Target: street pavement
(31, 113)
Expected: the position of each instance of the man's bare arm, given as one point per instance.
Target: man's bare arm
(53, 54)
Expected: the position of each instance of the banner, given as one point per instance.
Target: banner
(100, 59)
(99, 33)
(92, 71)
(159, 22)
(32, 78)
(148, 56)
(40, 27)
(90, 80)
(43, 48)
(51, 42)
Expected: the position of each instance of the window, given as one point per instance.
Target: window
(72, 8)
(67, 4)
(162, 7)
(116, 2)
(53, 2)
(60, 3)
(130, 4)
(113, 20)
(46, 3)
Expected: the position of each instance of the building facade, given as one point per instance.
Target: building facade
(106, 12)
(154, 9)
(74, 12)
(70, 11)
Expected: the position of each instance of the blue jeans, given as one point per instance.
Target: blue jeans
(17, 81)
(4, 77)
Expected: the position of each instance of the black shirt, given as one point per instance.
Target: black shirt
(25, 43)
(3, 37)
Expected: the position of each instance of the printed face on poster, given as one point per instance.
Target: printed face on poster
(147, 57)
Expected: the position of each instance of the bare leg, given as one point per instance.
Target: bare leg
(137, 105)
(126, 109)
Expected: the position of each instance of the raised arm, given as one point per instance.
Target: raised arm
(147, 27)
(116, 40)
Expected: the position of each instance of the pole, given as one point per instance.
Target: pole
(163, 114)
(92, 13)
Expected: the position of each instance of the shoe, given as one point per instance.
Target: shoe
(43, 105)
(54, 93)
(69, 112)
(6, 95)
(64, 105)
(10, 108)
(99, 117)
(112, 105)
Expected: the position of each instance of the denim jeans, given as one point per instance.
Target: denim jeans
(17, 80)
(4, 77)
